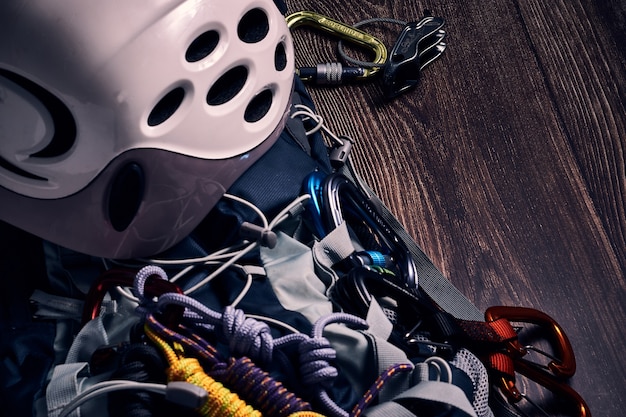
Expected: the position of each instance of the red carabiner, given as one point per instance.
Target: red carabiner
(565, 365)
(120, 277)
(561, 366)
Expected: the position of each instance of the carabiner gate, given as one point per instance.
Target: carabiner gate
(562, 367)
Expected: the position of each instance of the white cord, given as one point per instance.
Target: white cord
(177, 392)
(125, 292)
(280, 217)
(105, 387)
(249, 204)
(225, 257)
(243, 292)
(307, 114)
(222, 268)
(224, 253)
(234, 256)
(284, 213)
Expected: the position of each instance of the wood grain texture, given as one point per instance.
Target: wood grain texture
(507, 163)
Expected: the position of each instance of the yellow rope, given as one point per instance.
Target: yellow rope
(222, 402)
(306, 414)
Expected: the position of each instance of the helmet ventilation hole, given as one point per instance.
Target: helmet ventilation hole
(202, 46)
(166, 107)
(280, 57)
(227, 86)
(253, 26)
(258, 106)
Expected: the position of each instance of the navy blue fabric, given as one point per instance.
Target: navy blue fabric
(26, 346)
(271, 183)
(26, 355)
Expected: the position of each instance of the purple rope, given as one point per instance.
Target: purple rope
(142, 277)
(372, 393)
(196, 309)
(253, 384)
(315, 355)
(248, 337)
(139, 285)
(270, 396)
(349, 319)
(244, 336)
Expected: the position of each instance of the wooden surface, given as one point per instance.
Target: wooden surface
(507, 163)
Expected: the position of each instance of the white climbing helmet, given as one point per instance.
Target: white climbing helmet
(123, 122)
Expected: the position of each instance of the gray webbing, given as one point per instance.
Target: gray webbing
(431, 280)
(430, 391)
(63, 387)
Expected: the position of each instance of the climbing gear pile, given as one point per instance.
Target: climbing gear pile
(299, 295)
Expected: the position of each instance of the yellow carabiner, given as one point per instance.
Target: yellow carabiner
(345, 32)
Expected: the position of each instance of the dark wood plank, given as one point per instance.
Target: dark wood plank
(585, 76)
(507, 163)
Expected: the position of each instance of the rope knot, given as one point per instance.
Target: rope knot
(146, 304)
(247, 336)
(315, 354)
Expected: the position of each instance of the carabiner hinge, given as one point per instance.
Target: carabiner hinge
(334, 73)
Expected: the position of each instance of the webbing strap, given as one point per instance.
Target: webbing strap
(92, 336)
(378, 322)
(304, 291)
(434, 392)
(388, 409)
(334, 247)
(63, 388)
(55, 307)
(388, 355)
(431, 280)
